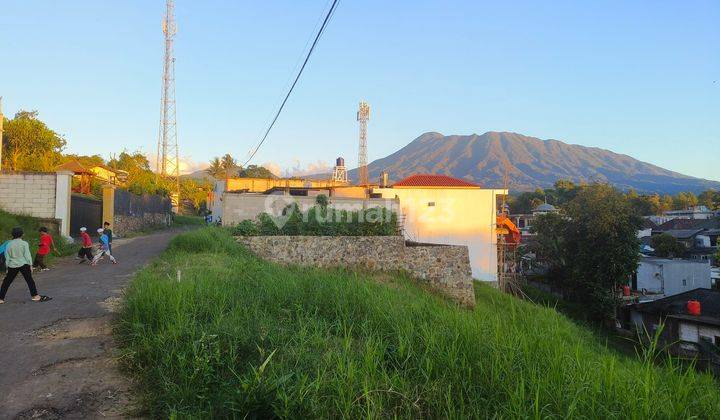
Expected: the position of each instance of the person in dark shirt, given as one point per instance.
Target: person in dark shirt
(107, 231)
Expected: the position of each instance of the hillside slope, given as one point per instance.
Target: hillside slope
(532, 162)
(241, 337)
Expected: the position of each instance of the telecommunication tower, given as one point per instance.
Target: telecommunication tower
(168, 157)
(363, 116)
(339, 171)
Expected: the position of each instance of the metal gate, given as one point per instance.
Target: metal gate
(85, 211)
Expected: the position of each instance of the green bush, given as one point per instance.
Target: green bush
(238, 337)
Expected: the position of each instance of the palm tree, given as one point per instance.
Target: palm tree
(229, 164)
(216, 168)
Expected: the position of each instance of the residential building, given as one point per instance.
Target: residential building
(445, 210)
(661, 277)
(683, 333)
(694, 213)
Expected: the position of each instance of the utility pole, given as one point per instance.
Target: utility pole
(168, 157)
(2, 119)
(363, 115)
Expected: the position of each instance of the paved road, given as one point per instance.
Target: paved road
(56, 358)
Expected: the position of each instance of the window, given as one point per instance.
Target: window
(684, 282)
(431, 204)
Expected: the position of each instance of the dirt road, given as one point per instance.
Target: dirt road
(57, 357)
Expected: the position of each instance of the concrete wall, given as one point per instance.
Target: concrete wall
(43, 195)
(454, 216)
(671, 277)
(239, 207)
(445, 269)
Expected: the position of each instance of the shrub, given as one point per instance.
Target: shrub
(322, 221)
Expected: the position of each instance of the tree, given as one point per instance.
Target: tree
(550, 246)
(216, 169)
(685, 200)
(28, 144)
(710, 199)
(667, 246)
(667, 203)
(254, 171)
(230, 166)
(141, 179)
(601, 247)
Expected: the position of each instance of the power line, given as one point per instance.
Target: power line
(307, 58)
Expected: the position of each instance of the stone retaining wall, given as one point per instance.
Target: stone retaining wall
(123, 224)
(445, 268)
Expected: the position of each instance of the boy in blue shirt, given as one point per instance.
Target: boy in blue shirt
(104, 248)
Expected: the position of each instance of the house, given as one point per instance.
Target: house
(683, 333)
(445, 210)
(693, 213)
(524, 221)
(83, 174)
(661, 277)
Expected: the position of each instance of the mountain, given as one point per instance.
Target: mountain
(200, 175)
(532, 163)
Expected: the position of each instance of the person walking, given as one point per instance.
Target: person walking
(86, 247)
(46, 243)
(109, 233)
(19, 260)
(104, 246)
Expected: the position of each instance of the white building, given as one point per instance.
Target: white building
(444, 210)
(695, 212)
(661, 277)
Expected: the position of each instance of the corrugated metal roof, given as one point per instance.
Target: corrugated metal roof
(427, 180)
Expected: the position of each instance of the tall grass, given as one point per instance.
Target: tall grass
(31, 226)
(236, 336)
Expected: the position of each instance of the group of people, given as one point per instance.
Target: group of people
(104, 245)
(15, 255)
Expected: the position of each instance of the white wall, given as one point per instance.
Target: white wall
(239, 207)
(666, 276)
(459, 216)
(42, 195)
(692, 332)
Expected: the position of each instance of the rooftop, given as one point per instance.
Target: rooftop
(676, 305)
(545, 207)
(427, 180)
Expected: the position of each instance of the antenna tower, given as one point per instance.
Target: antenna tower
(363, 116)
(168, 157)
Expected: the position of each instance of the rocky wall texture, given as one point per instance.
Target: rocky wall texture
(445, 268)
(124, 224)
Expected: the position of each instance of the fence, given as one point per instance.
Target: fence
(129, 204)
(131, 212)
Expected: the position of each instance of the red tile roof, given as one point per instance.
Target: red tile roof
(425, 180)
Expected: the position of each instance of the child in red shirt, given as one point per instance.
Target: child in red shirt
(86, 249)
(46, 243)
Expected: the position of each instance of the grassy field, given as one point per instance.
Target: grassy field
(210, 331)
(31, 225)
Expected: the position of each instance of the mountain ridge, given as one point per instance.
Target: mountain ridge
(532, 163)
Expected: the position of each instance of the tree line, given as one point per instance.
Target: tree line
(642, 204)
(28, 144)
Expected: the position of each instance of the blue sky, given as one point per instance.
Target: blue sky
(636, 77)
